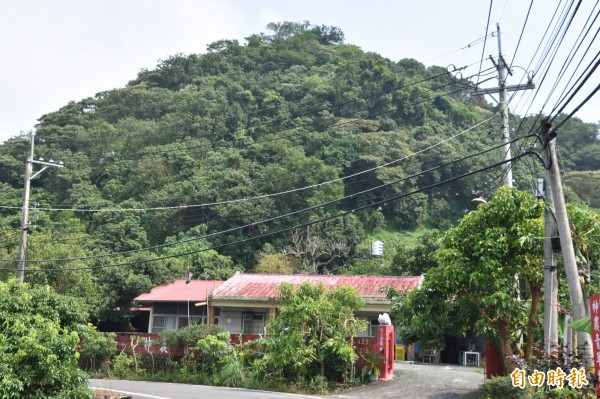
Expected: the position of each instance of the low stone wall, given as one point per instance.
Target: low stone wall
(154, 344)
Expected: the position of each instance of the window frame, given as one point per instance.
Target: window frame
(195, 318)
(255, 318)
(373, 323)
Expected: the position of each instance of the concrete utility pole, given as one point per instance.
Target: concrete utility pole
(25, 215)
(25, 210)
(568, 252)
(506, 155)
(550, 268)
(502, 90)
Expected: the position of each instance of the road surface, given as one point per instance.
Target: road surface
(165, 390)
(414, 381)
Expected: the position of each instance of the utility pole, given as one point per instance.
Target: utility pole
(502, 90)
(25, 210)
(25, 215)
(568, 252)
(506, 155)
(550, 268)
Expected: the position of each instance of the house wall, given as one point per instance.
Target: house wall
(177, 313)
(232, 318)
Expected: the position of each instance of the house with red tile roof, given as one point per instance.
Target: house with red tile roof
(245, 303)
(177, 304)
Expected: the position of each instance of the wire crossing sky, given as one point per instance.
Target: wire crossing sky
(57, 51)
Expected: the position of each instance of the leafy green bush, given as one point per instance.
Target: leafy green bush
(236, 373)
(318, 385)
(123, 366)
(500, 388)
(211, 352)
(96, 348)
(39, 342)
(188, 336)
(311, 335)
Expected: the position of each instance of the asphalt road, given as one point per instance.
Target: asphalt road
(422, 381)
(164, 390)
(414, 381)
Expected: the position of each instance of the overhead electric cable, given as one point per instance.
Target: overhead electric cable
(270, 219)
(521, 35)
(237, 242)
(578, 107)
(570, 58)
(268, 195)
(316, 111)
(487, 27)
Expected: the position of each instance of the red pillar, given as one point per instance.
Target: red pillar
(493, 363)
(385, 346)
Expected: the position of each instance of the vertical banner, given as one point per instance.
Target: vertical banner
(595, 320)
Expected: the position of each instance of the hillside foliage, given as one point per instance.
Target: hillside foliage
(286, 152)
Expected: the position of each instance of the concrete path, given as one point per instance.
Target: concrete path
(422, 381)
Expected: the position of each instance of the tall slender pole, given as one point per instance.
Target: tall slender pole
(550, 274)
(506, 154)
(568, 252)
(25, 215)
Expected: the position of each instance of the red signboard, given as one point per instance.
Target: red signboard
(595, 320)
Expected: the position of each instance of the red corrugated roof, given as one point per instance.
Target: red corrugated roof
(264, 286)
(179, 291)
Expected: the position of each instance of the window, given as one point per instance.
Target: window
(253, 323)
(217, 316)
(170, 316)
(373, 323)
(163, 323)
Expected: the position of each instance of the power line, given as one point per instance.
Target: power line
(521, 35)
(273, 218)
(316, 111)
(571, 57)
(237, 242)
(487, 26)
(578, 107)
(267, 195)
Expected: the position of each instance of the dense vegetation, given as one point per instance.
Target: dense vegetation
(207, 140)
(40, 335)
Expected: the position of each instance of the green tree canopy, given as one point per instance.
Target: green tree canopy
(39, 339)
(312, 334)
(479, 262)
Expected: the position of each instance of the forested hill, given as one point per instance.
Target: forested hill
(221, 149)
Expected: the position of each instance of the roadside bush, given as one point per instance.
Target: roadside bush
(38, 341)
(500, 388)
(211, 352)
(318, 385)
(189, 336)
(123, 366)
(96, 348)
(236, 372)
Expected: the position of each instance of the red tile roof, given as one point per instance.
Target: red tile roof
(179, 291)
(263, 287)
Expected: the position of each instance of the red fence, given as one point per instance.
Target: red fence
(146, 343)
(363, 345)
(153, 343)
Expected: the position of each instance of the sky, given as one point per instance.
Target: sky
(57, 51)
